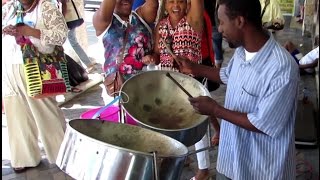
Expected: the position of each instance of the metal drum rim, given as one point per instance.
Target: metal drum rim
(125, 149)
(169, 130)
(205, 117)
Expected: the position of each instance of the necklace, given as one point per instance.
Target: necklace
(35, 2)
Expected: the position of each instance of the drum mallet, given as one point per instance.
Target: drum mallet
(176, 82)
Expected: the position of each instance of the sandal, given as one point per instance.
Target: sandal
(23, 169)
(19, 169)
(76, 90)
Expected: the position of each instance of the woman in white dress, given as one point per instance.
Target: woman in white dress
(30, 119)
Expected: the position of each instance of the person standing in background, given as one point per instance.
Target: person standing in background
(180, 31)
(271, 15)
(125, 35)
(208, 59)
(90, 65)
(30, 119)
(301, 9)
(216, 35)
(210, 8)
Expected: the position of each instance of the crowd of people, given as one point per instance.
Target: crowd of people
(256, 137)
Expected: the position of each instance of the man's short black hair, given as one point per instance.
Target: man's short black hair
(249, 9)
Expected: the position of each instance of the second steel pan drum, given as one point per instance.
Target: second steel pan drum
(102, 150)
(157, 103)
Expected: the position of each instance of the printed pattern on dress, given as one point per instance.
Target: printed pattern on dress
(183, 40)
(138, 45)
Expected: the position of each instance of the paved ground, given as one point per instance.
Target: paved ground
(308, 158)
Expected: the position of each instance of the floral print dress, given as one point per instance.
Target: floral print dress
(138, 44)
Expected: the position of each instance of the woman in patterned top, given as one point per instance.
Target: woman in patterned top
(181, 31)
(125, 34)
(28, 118)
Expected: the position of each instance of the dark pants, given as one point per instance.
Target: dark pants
(217, 44)
(211, 85)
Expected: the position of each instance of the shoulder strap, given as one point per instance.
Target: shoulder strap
(75, 8)
(125, 39)
(265, 7)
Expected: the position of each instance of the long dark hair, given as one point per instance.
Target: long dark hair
(249, 9)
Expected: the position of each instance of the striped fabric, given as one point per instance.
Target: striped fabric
(266, 88)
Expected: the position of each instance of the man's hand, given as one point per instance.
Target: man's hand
(204, 105)
(148, 59)
(185, 65)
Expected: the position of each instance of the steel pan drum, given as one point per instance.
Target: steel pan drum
(157, 103)
(111, 151)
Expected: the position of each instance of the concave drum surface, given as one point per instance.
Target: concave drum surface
(105, 150)
(157, 103)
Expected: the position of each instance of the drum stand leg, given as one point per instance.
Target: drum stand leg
(209, 135)
(121, 114)
(209, 147)
(155, 167)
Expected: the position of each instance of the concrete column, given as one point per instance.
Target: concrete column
(308, 20)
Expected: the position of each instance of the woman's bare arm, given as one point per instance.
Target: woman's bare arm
(148, 11)
(103, 16)
(195, 15)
